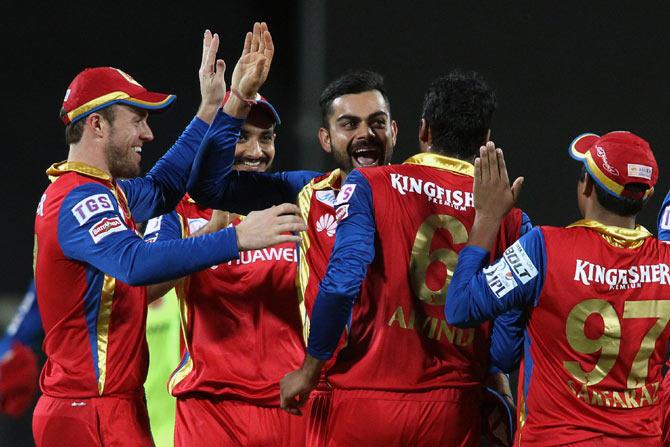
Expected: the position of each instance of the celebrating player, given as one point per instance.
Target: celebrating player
(358, 131)
(90, 262)
(405, 377)
(599, 292)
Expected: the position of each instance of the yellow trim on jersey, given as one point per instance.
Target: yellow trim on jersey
(180, 289)
(616, 236)
(302, 278)
(104, 315)
(442, 162)
(58, 169)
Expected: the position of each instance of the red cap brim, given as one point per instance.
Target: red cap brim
(581, 145)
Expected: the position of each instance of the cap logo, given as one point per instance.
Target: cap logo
(128, 77)
(639, 171)
(600, 152)
(67, 95)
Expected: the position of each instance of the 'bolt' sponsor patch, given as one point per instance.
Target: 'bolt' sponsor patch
(523, 267)
(499, 278)
(90, 206)
(105, 227)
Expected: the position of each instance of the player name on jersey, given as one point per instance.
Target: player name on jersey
(431, 327)
(633, 277)
(436, 194)
(630, 398)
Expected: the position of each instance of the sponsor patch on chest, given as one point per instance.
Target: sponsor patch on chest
(499, 278)
(195, 224)
(105, 227)
(153, 225)
(91, 206)
(521, 264)
(326, 223)
(327, 197)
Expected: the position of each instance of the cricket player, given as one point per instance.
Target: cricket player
(663, 228)
(599, 294)
(241, 321)
(358, 131)
(90, 263)
(405, 376)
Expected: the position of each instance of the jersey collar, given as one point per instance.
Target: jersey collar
(616, 236)
(441, 162)
(333, 180)
(62, 168)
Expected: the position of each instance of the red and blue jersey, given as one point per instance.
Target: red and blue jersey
(400, 228)
(26, 326)
(597, 333)
(90, 263)
(240, 319)
(663, 224)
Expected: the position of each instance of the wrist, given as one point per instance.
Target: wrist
(236, 107)
(207, 112)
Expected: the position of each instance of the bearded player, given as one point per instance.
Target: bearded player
(90, 263)
(600, 287)
(405, 377)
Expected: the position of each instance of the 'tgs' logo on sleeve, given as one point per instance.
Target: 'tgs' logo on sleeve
(90, 206)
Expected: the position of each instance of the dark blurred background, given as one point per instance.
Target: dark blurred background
(559, 68)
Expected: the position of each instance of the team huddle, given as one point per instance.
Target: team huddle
(377, 304)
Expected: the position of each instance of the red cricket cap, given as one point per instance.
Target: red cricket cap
(617, 159)
(96, 88)
(262, 102)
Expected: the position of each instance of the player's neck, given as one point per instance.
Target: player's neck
(88, 155)
(608, 218)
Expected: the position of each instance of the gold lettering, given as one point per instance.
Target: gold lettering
(447, 330)
(616, 399)
(433, 326)
(465, 337)
(645, 396)
(399, 316)
(412, 317)
(630, 399)
(597, 398)
(583, 394)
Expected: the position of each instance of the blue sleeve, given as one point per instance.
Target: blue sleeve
(214, 184)
(526, 224)
(354, 250)
(507, 341)
(161, 189)
(26, 326)
(163, 228)
(507, 329)
(664, 220)
(478, 293)
(91, 230)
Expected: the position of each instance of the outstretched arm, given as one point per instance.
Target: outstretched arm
(161, 189)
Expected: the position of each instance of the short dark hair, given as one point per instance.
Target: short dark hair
(622, 206)
(352, 82)
(458, 108)
(74, 131)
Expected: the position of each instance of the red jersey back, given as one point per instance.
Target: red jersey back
(241, 322)
(399, 339)
(598, 336)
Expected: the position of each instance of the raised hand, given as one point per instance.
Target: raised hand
(253, 67)
(270, 227)
(493, 195)
(212, 81)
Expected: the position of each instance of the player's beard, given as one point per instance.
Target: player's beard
(344, 159)
(120, 160)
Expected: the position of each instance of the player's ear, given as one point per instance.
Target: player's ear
(95, 123)
(394, 131)
(324, 139)
(425, 136)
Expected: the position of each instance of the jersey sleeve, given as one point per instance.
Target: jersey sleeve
(161, 189)
(163, 228)
(664, 220)
(353, 252)
(26, 325)
(91, 230)
(214, 184)
(478, 293)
